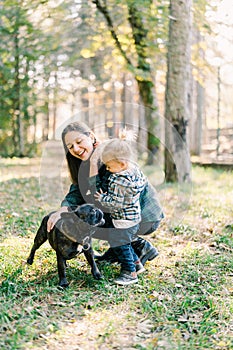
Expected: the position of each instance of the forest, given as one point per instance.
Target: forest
(117, 63)
(162, 69)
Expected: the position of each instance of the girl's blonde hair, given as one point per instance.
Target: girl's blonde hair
(117, 149)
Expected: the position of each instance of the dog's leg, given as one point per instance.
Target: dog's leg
(61, 266)
(89, 254)
(41, 237)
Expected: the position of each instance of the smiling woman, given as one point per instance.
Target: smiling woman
(79, 145)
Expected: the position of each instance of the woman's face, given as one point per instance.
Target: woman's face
(79, 145)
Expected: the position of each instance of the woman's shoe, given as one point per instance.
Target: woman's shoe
(108, 256)
(144, 250)
(139, 267)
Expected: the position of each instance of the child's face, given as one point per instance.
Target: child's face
(116, 166)
(79, 145)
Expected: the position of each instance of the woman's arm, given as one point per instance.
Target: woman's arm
(72, 199)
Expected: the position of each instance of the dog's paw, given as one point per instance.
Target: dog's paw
(29, 261)
(98, 276)
(63, 285)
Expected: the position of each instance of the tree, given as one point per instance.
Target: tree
(177, 95)
(199, 71)
(139, 17)
(20, 49)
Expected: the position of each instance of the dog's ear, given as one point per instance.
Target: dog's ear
(66, 215)
(83, 212)
(86, 213)
(71, 217)
(73, 228)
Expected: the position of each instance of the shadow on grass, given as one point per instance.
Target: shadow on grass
(185, 301)
(15, 282)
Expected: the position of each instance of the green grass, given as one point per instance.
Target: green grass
(182, 301)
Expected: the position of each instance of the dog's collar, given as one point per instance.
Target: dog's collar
(86, 243)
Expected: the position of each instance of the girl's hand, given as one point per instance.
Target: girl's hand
(98, 195)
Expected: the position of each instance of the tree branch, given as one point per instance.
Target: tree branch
(104, 10)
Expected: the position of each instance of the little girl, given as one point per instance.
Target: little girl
(125, 185)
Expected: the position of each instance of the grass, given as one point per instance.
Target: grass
(183, 301)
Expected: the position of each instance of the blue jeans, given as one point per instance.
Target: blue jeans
(116, 236)
(126, 257)
(120, 243)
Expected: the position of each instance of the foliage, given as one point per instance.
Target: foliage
(55, 53)
(182, 301)
(19, 50)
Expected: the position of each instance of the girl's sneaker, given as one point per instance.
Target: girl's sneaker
(126, 277)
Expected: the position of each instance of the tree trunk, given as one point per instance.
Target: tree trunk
(45, 123)
(18, 130)
(199, 94)
(144, 78)
(177, 95)
(199, 120)
(54, 104)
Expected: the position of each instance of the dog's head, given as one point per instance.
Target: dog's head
(90, 214)
(81, 223)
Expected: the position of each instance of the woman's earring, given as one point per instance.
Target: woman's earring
(95, 143)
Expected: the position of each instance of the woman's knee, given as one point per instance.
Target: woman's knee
(148, 227)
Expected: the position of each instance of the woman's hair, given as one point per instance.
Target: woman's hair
(73, 162)
(117, 149)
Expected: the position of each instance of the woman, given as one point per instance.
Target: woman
(88, 176)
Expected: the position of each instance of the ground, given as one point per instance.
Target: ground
(182, 301)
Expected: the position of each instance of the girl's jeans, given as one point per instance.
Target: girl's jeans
(120, 243)
(126, 256)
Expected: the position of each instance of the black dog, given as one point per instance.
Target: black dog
(73, 229)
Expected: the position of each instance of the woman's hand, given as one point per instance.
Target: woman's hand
(55, 217)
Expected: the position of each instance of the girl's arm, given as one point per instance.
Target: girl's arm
(114, 198)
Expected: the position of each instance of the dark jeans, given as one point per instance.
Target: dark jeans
(120, 243)
(120, 240)
(126, 256)
(115, 236)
